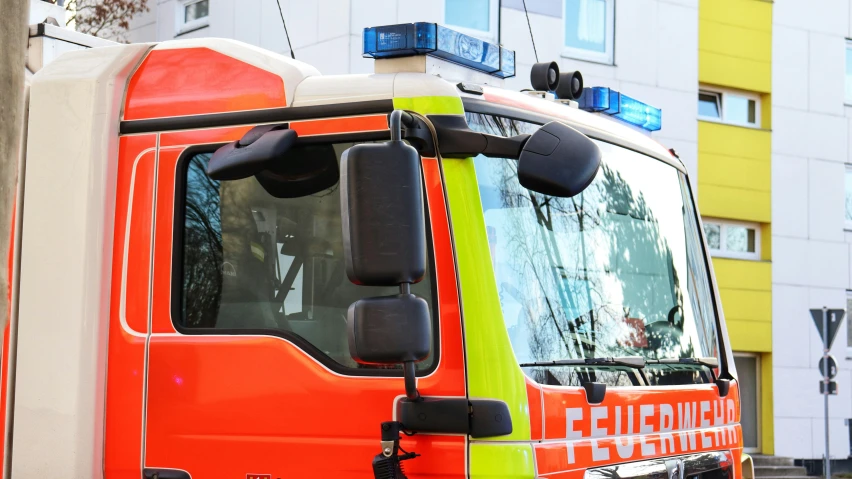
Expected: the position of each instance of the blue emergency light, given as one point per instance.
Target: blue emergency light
(605, 100)
(410, 39)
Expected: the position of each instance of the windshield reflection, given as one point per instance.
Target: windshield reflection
(615, 271)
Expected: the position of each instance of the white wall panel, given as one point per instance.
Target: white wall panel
(826, 73)
(789, 196)
(826, 200)
(790, 69)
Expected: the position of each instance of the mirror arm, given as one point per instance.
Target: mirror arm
(457, 140)
(409, 372)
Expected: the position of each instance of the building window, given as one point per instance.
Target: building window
(748, 379)
(849, 72)
(589, 30)
(477, 18)
(732, 239)
(849, 197)
(734, 107)
(192, 15)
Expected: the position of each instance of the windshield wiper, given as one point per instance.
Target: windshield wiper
(635, 362)
(709, 362)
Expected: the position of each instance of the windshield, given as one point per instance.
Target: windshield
(615, 271)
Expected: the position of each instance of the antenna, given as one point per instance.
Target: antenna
(528, 26)
(292, 54)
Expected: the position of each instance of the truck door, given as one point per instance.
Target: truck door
(248, 365)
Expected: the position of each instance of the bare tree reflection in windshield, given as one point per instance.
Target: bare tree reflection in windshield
(589, 276)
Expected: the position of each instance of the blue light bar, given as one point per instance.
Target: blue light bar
(410, 39)
(605, 100)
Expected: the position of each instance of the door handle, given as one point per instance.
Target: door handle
(164, 473)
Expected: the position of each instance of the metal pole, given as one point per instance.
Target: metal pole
(14, 34)
(825, 382)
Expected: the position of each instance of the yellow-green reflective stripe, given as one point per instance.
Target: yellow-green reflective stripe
(503, 461)
(431, 105)
(492, 371)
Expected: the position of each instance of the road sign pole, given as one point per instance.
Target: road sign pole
(825, 380)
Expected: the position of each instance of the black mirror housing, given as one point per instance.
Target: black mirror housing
(253, 153)
(384, 227)
(389, 329)
(558, 160)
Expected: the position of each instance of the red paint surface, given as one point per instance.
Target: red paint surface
(593, 441)
(126, 353)
(206, 136)
(223, 405)
(340, 125)
(194, 81)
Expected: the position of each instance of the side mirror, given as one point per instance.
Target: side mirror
(252, 153)
(384, 239)
(558, 160)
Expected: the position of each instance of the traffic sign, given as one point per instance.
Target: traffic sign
(832, 367)
(835, 317)
(832, 388)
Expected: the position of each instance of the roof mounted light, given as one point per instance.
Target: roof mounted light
(606, 100)
(410, 39)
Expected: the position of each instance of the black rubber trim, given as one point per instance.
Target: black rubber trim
(271, 115)
(300, 342)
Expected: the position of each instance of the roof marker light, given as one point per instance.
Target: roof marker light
(606, 100)
(411, 39)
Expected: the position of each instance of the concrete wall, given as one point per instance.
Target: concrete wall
(811, 250)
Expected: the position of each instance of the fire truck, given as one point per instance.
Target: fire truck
(228, 265)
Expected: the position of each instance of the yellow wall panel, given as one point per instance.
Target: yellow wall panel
(735, 44)
(746, 304)
(735, 41)
(754, 14)
(752, 336)
(730, 140)
(766, 242)
(766, 111)
(734, 203)
(767, 430)
(742, 274)
(734, 172)
(742, 73)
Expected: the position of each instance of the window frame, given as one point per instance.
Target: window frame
(181, 25)
(722, 252)
(608, 55)
(758, 398)
(177, 289)
(724, 93)
(493, 23)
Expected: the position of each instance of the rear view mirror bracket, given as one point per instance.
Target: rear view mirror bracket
(457, 140)
(252, 153)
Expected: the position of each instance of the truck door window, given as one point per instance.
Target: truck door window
(615, 271)
(253, 263)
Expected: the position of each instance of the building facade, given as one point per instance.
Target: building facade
(734, 190)
(755, 96)
(811, 199)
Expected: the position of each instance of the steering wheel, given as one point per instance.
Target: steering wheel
(672, 312)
